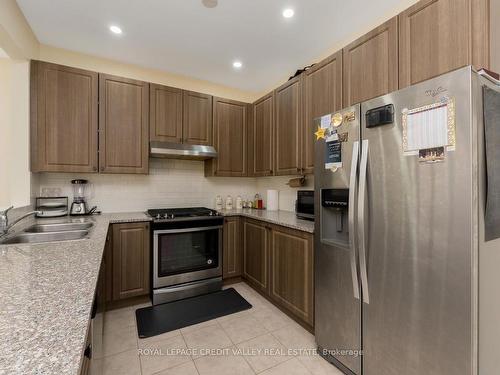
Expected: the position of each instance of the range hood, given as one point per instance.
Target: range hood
(181, 151)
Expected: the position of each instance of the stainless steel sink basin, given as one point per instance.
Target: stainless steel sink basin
(58, 227)
(25, 237)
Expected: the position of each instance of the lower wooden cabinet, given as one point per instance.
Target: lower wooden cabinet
(279, 262)
(232, 248)
(291, 270)
(256, 254)
(131, 260)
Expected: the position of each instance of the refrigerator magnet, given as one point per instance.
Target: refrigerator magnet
(333, 153)
(337, 120)
(320, 133)
(326, 121)
(429, 127)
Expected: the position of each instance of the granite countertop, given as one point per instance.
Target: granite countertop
(47, 291)
(284, 218)
(46, 296)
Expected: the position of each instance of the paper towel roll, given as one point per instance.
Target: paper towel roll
(273, 200)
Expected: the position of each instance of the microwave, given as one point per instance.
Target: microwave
(304, 206)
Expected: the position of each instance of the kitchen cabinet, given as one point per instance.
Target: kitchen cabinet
(256, 254)
(322, 95)
(108, 266)
(261, 136)
(165, 113)
(232, 248)
(230, 129)
(131, 260)
(289, 127)
(197, 119)
(85, 365)
(371, 64)
(291, 270)
(438, 36)
(64, 119)
(123, 125)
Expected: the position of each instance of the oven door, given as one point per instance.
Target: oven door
(186, 254)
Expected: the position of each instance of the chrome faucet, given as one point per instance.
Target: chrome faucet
(4, 220)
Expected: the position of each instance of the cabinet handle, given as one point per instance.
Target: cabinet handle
(88, 352)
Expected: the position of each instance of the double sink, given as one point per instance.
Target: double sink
(50, 232)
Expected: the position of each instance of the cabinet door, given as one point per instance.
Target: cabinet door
(292, 272)
(123, 125)
(230, 129)
(371, 64)
(289, 128)
(130, 260)
(438, 36)
(322, 95)
(63, 119)
(108, 264)
(197, 120)
(256, 254)
(165, 115)
(232, 256)
(260, 137)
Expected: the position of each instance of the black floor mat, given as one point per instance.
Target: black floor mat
(155, 320)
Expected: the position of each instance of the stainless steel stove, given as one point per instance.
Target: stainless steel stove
(187, 252)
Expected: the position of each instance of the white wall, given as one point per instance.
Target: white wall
(287, 195)
(171, 183)
(15, 184)
(5, 113)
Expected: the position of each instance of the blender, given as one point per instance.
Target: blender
(79, 205)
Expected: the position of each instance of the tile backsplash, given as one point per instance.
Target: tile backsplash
(170, 183)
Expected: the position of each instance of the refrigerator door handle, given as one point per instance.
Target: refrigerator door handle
(351, 213)
(361, 220)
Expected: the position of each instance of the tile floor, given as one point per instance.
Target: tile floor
(261, 340)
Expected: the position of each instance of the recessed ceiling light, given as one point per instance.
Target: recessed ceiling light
(237, 64)
(288, 13)
(209, 3)
(115, 29)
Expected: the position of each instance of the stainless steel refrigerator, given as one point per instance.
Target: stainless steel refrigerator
(400, 252)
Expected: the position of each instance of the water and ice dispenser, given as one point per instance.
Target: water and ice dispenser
(334, 216)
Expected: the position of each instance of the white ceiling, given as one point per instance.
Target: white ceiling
(184, 37)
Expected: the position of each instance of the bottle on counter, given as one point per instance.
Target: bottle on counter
(229, 203)
(239, 203)
(218, 203)
(256, 201)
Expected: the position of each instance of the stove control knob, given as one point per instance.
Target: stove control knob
(172, 216)
(158, 216)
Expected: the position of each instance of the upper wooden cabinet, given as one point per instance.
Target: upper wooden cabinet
(371, 64)
(437, 36)
(197, 121)
(322, 95)
(123, 125)
(230, 128)
(260, 137)
(288, 128)
(63, 119)
(165, 115)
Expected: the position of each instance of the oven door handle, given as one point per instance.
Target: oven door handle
(186, 230)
